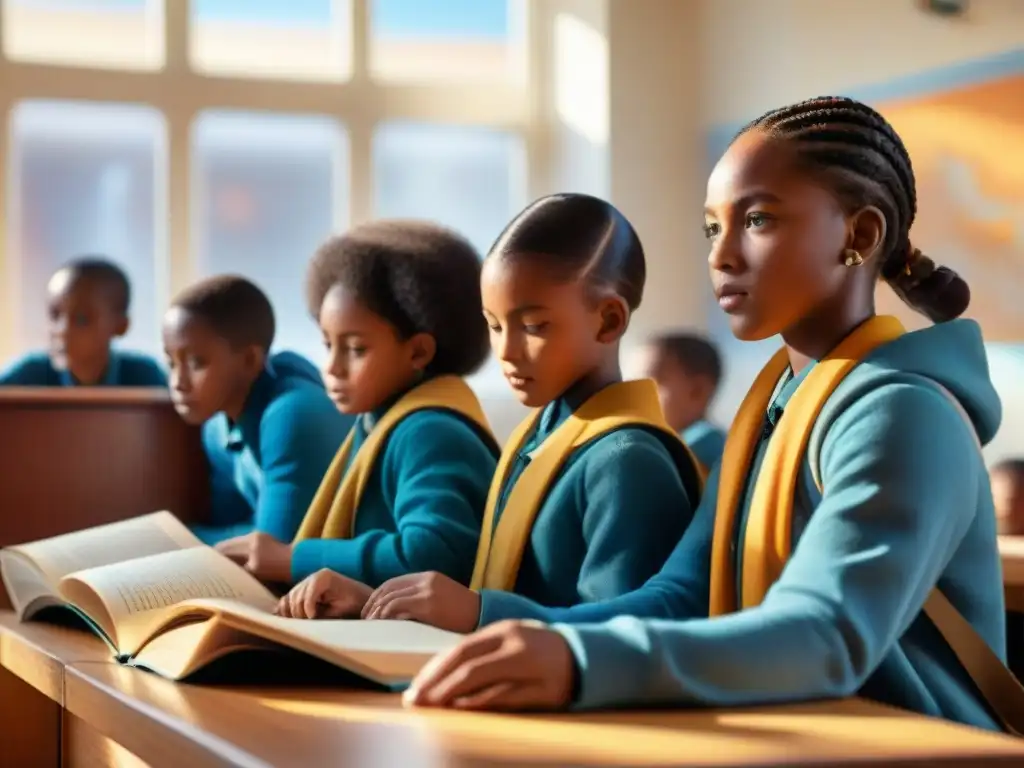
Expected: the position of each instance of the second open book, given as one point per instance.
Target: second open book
(163, 600)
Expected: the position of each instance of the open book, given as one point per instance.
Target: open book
(163, 600)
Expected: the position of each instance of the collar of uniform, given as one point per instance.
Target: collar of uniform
(788, 385)
(246, 429)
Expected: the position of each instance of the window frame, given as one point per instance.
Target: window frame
(359, 103)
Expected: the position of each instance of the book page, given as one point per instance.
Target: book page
(127, 595)
(26, 586)
(383, 651)
(105, 544)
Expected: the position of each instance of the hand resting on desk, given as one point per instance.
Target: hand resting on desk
(511, 665)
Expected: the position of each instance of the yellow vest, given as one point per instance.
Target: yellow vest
(767, 541)
(625, 404)
(332, 513)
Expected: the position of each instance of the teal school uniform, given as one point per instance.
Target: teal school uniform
(611, 518)
(422, 507)
(266, 467)
(706, 441)
(907, 505)
(125, 369)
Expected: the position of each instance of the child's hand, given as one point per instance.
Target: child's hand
(508, 665)
(324, 595)
(266, 558)
(430, 598)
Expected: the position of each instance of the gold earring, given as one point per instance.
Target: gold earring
(853, 258)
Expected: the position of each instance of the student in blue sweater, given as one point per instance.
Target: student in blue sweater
(594, 489)
(398, 303)
(687, 370)
(269, 430)
(87, 308)
(844, 589)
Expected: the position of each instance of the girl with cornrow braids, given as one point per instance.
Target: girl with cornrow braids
(851, 502)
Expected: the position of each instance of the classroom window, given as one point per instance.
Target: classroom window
(469, 179)
(86, 179)
(120, 34)
(286, 39)
(268, 189)
(453, 40)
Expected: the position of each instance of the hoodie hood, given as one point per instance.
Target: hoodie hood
(952, 354)
(289, 365)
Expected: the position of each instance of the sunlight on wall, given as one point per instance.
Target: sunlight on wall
(581, 78)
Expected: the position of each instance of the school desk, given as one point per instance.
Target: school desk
(75, 457)
(33, 661)
(1011, 551)
(163, 723)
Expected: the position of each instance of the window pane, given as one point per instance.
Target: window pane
(269, 189)
(413, 40)
(95, 33)
(88, 179)
(469, 179)
(288, 39)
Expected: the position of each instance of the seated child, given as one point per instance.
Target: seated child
(1008, 495)
(687, 370)
(846, 542)
(88, 301)
(594, 489)
(269, 429)
(399, 307)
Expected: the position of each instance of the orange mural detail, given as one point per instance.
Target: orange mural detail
(967, 146)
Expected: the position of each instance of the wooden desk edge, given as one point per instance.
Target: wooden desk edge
(98, 396)
(130, 722)
(38, 653)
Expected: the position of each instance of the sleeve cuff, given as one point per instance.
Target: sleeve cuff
(610, 669)
(311, 555)
(496, 605)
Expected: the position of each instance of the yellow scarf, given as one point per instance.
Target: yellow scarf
(500, 552)
(332, 513)
(766, 544)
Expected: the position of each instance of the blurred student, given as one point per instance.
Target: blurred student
(87, 309)
(687, 369)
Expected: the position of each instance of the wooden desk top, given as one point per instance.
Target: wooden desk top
(38, 653)
(217, 726)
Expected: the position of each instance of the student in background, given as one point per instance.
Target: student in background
(1008, 492)
(687, 370)
(87, 308)
(594, 489)
(269, 429)
(834, 544)
(398, 303)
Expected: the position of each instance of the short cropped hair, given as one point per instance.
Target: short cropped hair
(419, 277)
(694, 354)
(105, 274)
(234, 307)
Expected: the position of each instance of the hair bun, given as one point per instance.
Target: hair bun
(937, 292)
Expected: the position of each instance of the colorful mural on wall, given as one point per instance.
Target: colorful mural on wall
(967, 146)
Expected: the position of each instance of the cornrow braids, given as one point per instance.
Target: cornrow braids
(859, 154)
